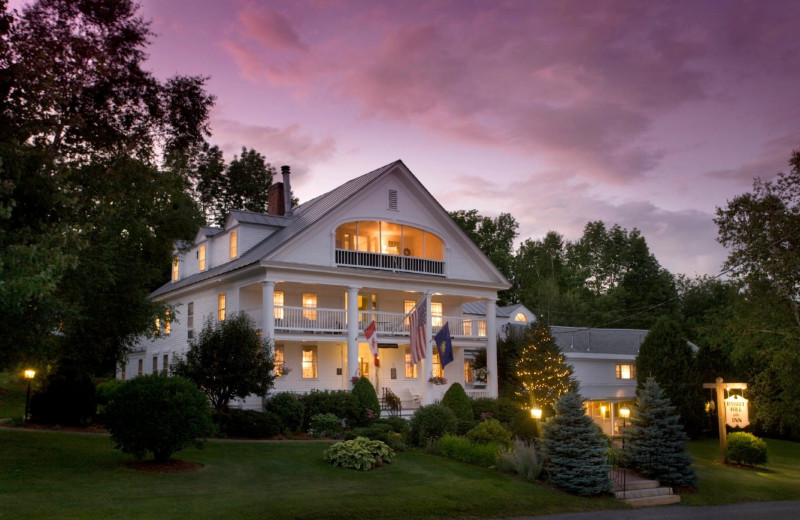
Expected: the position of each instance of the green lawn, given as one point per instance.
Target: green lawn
(66, 475)
(778, 480)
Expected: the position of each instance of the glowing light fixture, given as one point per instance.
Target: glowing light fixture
(536, 413)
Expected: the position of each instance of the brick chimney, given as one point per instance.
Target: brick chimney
(275, 202)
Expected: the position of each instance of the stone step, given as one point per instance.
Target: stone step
(642, 493)
(636, 483)
(653, 501)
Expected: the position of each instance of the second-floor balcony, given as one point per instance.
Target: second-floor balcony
(386, 262)
(334, 321)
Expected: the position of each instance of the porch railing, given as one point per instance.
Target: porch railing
(388, 324)
(385, 262)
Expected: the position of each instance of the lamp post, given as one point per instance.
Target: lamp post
(536, 413)
(624, 412)
(29, 375)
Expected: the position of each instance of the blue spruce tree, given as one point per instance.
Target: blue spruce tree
(575, 452)
(657, 442)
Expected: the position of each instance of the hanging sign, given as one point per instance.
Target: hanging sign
(736, 411)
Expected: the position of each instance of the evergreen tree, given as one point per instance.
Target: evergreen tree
(656, 440)
(542, 372)
(575, 452)
(667, 356)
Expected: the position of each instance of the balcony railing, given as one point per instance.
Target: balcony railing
(388, 324)
(384, 262)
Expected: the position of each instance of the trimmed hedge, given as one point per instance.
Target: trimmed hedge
(251, 424)
(456, 399)
(367, 399)
(289, 407)
(431, 422)
(747, 449)
(341, 403)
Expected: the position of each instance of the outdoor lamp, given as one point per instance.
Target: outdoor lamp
(603, 411)
(536, 413)
(624, 412)
(29, 375)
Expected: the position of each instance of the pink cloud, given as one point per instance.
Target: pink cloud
(269, 28)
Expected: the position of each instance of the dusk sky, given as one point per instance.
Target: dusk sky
(645, 114)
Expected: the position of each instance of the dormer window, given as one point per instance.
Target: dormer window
(201, 258)
(234, 244)
(175, 269)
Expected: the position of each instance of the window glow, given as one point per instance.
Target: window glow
(411, 369)
(390, 239)
(626, 371)
(436, 314)
(279, 360)
(175, 269)
(277, 302)
(482, 329)
(201, 258)
(521, 317)
(234, 244)
(438, 371)
(467, 325)
(310, 302)
(167, 323)
(221, 307)
(309, 362)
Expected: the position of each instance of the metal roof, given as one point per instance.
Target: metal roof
(479, 308)
(302, 217)
(599, 341)
(262, 219)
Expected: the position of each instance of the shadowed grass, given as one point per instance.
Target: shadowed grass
(778, 480)
(12, 395)
(62, 475)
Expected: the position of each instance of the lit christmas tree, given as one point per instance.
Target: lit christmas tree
(542, 371)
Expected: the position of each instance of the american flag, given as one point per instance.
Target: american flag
(417, 322)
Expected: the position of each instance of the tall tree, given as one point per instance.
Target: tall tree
(666, 355)
(494, 236)
(79, 114)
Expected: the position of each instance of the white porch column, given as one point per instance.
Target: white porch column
(268, 310)
(491, 346)
(613, 407)
(427, 388)
(352, 334)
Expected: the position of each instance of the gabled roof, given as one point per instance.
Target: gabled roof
(479, 309)
(599, 341)
(251, 217)
(303, 216)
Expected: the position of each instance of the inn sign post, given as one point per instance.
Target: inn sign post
(738, 406)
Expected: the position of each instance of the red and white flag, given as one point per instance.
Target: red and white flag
(372, 338)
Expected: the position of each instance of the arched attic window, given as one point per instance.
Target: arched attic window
(520, 317)
(388, 238)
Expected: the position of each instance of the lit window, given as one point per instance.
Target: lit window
(201, 258)
(467, 324)
(363, 367)
(165, 368)
(482, 328)
(520, 317)
(277, 302)
(309, 362)
(190, 319)
(469, 373)
(157, 326)
(167, 323)
(141, 367)
(411, 369)
(438, 371)
(234, 244)
(626, 371)
(175, 268)
(436, 314)
(408, 306)
(279, 360)
(221, 307)
(310, 302)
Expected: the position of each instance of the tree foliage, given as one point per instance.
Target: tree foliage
(541, 372)
(228, 360)
(575, 452)
(666, 355)
(82, 125)
(656, 440)
(157, 414)
(368, 403)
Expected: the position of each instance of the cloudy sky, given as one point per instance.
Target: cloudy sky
(645, 114)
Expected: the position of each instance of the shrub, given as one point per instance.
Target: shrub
(367, 400)
(157, 414)
(69, 399)
(104, 392)
(251, 424)
(359, 453)
(521, 459)
(503, 409)
(746, 448)
(524, 427)
(379, 432)
(289, 407)
(396, 424)
(431, 422)
(340, 403)
(490, 431)
(463, 426)
(462, 450)
(456, 399)
(325, 425)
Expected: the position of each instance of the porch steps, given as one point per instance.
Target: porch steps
(641, 492)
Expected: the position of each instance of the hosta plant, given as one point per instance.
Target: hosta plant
(360, 453)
